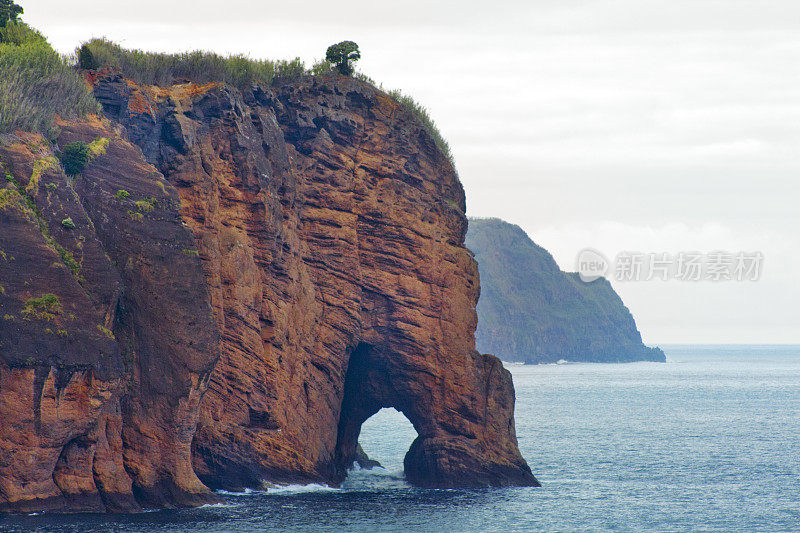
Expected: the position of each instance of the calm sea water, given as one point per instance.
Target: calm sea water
(706, 442)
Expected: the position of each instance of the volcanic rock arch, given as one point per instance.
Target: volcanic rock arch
(368, 388)
(331, 229)
(259, 271)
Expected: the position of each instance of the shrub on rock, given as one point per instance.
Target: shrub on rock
(74, 157)
(86, 58)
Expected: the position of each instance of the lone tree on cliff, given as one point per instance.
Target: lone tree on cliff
(9, 11)
(342, 55)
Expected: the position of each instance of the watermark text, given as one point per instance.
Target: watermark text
(718, 266)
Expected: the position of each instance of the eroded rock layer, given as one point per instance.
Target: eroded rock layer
(254, 276)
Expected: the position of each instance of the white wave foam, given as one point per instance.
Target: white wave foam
(358, 480)
(299, 489)
(215, 505)
(245, 492)
(374, 479)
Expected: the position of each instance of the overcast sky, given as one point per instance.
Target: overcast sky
(622, 125)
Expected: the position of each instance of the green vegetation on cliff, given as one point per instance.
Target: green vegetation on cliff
(342, 55)
(152, 68)
(9, 11)
(419, 111)
(36, 83)
(531, 311)
(74, 157)
(43, 308)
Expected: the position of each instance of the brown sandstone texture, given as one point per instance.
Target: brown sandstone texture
(250, 277)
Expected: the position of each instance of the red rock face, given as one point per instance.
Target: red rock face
(60, 374)
(106, 333)
(301, 268)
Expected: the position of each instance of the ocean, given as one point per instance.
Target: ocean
(708, 441)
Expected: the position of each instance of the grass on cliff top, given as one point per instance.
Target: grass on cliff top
(419, 111)
(37, 83)
(150, 68)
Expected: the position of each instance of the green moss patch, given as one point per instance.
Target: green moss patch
(106, 332)
(146, 205)
(45, 307)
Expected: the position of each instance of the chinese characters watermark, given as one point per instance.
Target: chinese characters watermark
(716, 266)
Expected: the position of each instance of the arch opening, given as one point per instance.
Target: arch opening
(386, 438)
(369, 392)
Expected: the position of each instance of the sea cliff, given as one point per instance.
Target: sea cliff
(531, 311)
(236, 281)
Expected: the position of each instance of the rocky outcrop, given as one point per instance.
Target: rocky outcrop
(250, 277)
(363, 461)
(530, 311)
(106, 332)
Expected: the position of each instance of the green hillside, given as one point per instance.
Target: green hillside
(531, 311)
